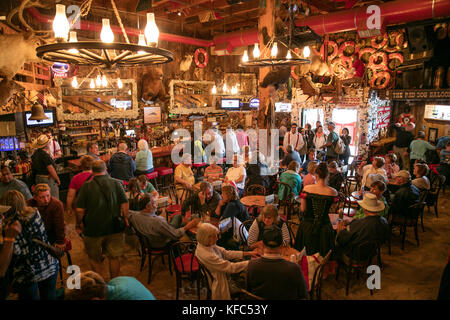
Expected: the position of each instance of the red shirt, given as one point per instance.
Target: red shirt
(53, 218)
(78, 180)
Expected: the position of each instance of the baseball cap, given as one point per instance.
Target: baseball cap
(403, 174)
(331, 123)
(272, 237)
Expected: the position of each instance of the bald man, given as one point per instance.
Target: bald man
(121, 166)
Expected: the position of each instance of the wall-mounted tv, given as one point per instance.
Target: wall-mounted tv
(230, 104)
(35, 123)
(283, 107)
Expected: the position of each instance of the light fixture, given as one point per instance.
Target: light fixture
(224, 88)
(98, 81)
(60, 23)
(306, 51)
(256, 51)
(107, 53)
(73, 38)
(92, 84)
(245, 56)
(104, 81)
(274, 50)
(151, 30)
(214, 90)
(119, 83)
(106, 35)
(74, 82)
(141, 42)
(289, 56)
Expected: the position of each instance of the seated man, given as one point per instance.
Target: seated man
(271, 276)
(159, 232)
(406, 195)
(336, 177)
(121, 166)
(291, 155)
(52, 213)
(213, 172)
(184, 177)
(93, 287)
(8, 182)
(204, 201)
(371, 228)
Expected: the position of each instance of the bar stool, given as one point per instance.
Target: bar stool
(164, 174)
(152, 177)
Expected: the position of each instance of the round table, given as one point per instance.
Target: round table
(357, 195)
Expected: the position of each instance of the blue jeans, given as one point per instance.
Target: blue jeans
(43, 290)
(138, 172)
(240, 192)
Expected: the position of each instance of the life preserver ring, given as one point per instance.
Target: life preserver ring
(374, 59)
(379, 45)
(380, 76)
(393, 57)
(364, 51)
(344, 46)
(406, 118)
(205, 58)
(398, 40)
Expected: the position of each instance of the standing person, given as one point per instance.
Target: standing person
(183, 175)
(402, 142)
(282, 130)
(78, 180)
(418, 149)
(309, 136)
(92, 150)
(319, 142)
(347, 141)
(52, 214)
(294, 138)
(43, 165)
(8, 182)
(121, 166)
(34, 270)
(53, 147)
(241, 137)
(219, 145)
(99, 204)
(332, 139)
(144, 159)
(237, 174)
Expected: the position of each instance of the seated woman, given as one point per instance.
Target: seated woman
(144, 159)
(378, 188)
(134, 194)
(268, 217)
(237, 174)
(184, 177)
(375, 168)
(391, 167)
(421, 181)
(213, 172)
(216, 260)
(257, 171)
(316, 232)
(310, 178)
(311, 156)
(292, 178)
(146, 186)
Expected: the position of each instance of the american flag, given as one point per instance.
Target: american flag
(41, 97)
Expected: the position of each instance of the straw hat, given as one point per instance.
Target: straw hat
(404, 174)
(371, 203)
(40, 142)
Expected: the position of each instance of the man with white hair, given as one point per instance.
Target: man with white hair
(406, 195)
(232, 144)
(237, 174)
(121, 165)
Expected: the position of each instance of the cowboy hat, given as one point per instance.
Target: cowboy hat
(371, 203)
(40, 142)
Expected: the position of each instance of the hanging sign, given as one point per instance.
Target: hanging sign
(254, 103)
(60, 70)
(383, 116)
(421, 94)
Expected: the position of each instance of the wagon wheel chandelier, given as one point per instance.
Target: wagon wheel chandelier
(105, 53)
(269, 55)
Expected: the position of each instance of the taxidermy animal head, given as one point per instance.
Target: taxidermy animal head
(185, 64)
(152, 87)
(276, 77)
(15, 50)
(7, 88)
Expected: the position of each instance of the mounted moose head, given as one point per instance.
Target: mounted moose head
(151, 86)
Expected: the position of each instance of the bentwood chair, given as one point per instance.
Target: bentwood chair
(287, 204)
(315, 292)
(185, 264)
(255, 190)
(246, 295)
(437, 183)
(206, 279)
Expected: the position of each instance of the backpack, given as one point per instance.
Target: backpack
(339, 147)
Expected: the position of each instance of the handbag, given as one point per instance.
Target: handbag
(118, 222)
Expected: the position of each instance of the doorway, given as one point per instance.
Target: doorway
(347, 118)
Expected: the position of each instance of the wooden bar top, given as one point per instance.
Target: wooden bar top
(382, 142)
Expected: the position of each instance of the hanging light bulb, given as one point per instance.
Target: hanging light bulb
(98, 81)
(106, 35)
(60, 23)
(289, 56)
(142, 43)
(256, 51)
(214, 90)
(245, 56)
(104, 81)
(274, 50)
(224, 88)
(119, 83)
(151, 30)
(306, 52)
(92, 84)
(74, 82)
(129, 92)
(73, 38)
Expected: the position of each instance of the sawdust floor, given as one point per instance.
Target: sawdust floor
(414, 273)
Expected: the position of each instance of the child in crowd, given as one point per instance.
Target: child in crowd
(146, 186)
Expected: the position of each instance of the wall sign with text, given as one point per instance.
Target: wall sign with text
(383, 116)
(418, 94)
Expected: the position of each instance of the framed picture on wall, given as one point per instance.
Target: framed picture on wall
(152, 114)
(432, 135)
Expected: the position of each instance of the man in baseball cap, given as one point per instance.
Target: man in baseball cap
(273, 277)
(406, 195)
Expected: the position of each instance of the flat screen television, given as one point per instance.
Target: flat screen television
(35, 123)
(230, 104)
(7, 144)
(283, 107)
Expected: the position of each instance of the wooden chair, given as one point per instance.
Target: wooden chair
(423, 198)
(206, 279)
(185, 264)
(288, 200)
(246, 224)
(405, 221)
(360, 258)
(437, 183)
(315, 292)
(246, 295)
(289, 225)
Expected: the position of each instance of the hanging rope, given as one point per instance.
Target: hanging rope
(84, 10)
(120, 21)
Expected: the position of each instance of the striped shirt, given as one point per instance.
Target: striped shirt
(253, 234)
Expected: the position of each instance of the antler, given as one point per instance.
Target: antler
(19, 10)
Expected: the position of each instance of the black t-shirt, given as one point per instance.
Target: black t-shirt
(39, 162)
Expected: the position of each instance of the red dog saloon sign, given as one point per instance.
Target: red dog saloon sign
(383, 117)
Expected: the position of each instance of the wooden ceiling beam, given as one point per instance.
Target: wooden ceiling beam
(236, 18)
